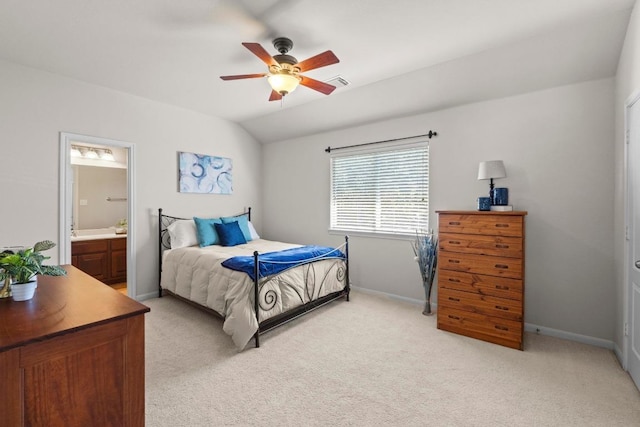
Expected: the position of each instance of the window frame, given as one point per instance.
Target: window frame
(387, 147)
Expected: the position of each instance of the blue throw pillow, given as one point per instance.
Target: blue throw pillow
(206, 231)
(230, 234)
(243, 222)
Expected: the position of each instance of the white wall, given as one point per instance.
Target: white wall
(36, 106)
(557, 145)
(627, 83)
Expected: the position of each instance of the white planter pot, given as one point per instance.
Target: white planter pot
(23, 291)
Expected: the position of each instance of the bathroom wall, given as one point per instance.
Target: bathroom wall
(94, 186)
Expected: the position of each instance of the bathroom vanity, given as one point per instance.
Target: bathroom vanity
(101, 255)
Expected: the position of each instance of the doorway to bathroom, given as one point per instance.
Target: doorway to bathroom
(97, 223)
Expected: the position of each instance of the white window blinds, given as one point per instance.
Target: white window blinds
(382, 192)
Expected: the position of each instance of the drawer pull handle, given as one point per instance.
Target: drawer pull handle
(454, 261)
(453, 242)
(454, 299)
(453, 317)
(502, 328)
(502, 246)
(503, 288)
(454, 280)
(501, 307)
(454, 222)
(502, 225)
(503, 266)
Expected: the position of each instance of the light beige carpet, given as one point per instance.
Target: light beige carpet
(373, 361)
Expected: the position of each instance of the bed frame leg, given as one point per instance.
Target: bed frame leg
(256, 294)
(347, 287)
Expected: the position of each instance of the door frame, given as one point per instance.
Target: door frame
(66, 200)
(626, 306)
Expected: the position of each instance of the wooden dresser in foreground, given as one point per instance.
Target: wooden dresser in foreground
(72, 356)
(481, 275)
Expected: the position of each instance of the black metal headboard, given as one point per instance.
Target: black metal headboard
(164, 241)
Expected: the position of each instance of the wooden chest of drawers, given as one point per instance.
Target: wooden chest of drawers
(481, 275)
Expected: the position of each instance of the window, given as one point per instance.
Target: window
(385, 191)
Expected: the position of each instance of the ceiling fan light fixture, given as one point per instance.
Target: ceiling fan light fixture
(283, 83)
(284, 74)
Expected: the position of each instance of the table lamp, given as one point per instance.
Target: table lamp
(490, 170)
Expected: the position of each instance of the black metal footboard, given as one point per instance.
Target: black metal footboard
(294, 313)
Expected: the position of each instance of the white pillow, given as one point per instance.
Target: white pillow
(252, 230)
(183, 233)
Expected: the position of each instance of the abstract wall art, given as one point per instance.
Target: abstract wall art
(201, 173)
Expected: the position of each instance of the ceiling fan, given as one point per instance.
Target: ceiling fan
(284, 70)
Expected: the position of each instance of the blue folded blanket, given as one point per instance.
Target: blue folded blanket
(275, 262)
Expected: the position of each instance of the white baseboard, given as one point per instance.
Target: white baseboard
(618, 352)
(146, 296)
(392, 296)
(585, 339)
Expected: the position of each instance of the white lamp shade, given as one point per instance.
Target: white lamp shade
(491, 169)
(283, 83)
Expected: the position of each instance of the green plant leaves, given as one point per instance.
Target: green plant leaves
(43, 246)
(26, 263)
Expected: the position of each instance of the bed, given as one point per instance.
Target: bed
(254, 285)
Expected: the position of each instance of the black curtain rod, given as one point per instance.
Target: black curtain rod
(430, 135)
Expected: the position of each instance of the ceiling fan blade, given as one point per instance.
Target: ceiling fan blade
(243, 76)
(260, 52)
(321, 60)
(317, 85)
(275, 96)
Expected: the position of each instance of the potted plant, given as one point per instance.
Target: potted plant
(21, 268)
(121, 226)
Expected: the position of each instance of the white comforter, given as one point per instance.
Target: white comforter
(197, 274)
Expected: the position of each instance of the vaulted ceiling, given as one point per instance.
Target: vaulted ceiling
(401, 57)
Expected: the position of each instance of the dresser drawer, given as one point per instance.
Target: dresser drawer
(510, 247)
(484, 285)
(498, 225)
(491, 306)
(481, 264)
(478, 325)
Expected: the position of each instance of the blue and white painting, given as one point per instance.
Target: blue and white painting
(200, 173)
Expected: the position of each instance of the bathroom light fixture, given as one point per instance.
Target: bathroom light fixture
(490, 170)
(106, 155)
(91, 153)
(75, 151)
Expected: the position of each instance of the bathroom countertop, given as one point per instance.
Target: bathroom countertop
(96, 234)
